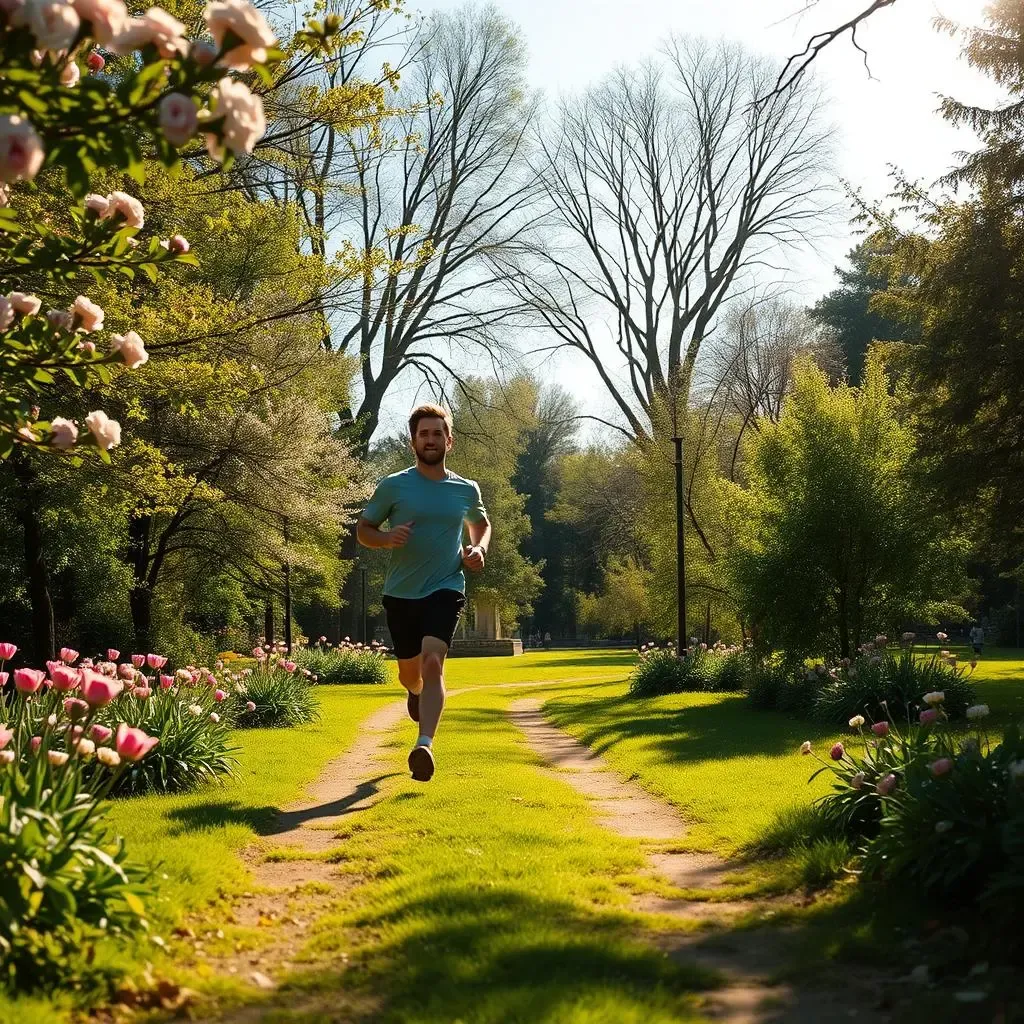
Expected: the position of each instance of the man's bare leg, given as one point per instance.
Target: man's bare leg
(411, 677)
(421, 760)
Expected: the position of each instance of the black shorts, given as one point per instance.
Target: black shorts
(409, 621)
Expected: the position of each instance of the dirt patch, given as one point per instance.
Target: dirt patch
(749, 960)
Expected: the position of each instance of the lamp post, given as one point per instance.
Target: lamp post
(287, 590)
(680, 552)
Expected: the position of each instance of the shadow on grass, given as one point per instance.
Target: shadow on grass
(269, 821)
(727, 728)
(612, 659)
(502, 956)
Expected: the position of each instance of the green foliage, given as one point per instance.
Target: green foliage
(283, 697)
(840, 539)
(346, 663)
(701, 669)
(895, 680)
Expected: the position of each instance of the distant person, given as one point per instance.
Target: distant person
(977, 638)
(426, 507)
(547, 641)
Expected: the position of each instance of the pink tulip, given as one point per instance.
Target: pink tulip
(28, 680)
(156, 661)
(100, 733)
(134, 744)
(887, 785)
(112, 654)
(880, 728)
(65, 678)
(98, 690)
(7, 651)
(837, 752)
(166, 682)
(143, 692)
(6, 735)
(35, 743)
(68, 655)
(219, 695)
(75, 709)
(76, 732)
(126, 671)
(96, 62)
(928, 716)
(289, 666)
(4, 676)
(943, 766)
(138, 660)
(249, 706)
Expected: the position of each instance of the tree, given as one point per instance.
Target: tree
(623, 604)
(445, 200)
(841, 538)
(849, 310)
(667, 188)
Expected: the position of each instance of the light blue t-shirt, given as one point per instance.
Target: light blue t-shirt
(432, 558)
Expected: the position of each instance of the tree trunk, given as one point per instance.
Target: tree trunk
(36, 574)
(140, 599)
(268, 623)
(843, 622)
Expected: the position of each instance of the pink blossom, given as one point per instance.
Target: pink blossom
(88, 315)
(942, 636)
(928, 716)
(4, 676)
(943, 766)
(54, 23)
(138, 660)
(214, 717)
(21, 149)
(157, 28)
(60, 319)
(134, 744)
(880, 728)
(131, 349)
(28, 680)
(887, 785)
(289, 666)
(107, 19)
(249, 706)
(75, 709)
(203, 52)
(126, 672)
(23, 303)
(7, 651)
(6, 313)
(178, 118)
(106, 431)
(63, 433)
(64, 678)
(6, 757)
(35, 743)
(70, 75)
(240, 19)
(6, 735)
(243, 119)
(99, 205)
(88, 347)
(166, 682)
(128, 207)
(219, 695)
(96, 62)
(155, 660)
(112, 654)
(143, 692)
(68, 655)
(100, 733)
(179, 244)
(98, 690)
(837, 752)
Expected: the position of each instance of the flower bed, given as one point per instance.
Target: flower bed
(346, 663)
(701, 668)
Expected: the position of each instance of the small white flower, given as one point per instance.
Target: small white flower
(857, 721)
(57, 757)
(977, 711)
(195, 709)
(111, 758)
(805, 747)
(214, 717)
(935, 697)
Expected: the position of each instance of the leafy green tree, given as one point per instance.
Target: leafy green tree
(850, 313)
(842, 539)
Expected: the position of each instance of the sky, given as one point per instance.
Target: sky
(882, 117)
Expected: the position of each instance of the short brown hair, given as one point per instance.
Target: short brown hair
(429, 412)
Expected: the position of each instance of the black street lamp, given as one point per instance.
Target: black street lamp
(681, 642)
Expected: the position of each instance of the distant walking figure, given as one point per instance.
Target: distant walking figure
(426, 508)
(977, 638)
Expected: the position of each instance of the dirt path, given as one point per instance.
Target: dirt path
(748, 959)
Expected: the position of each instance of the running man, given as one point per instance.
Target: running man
(426, 508)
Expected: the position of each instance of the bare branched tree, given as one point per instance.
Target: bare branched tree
(668, 188)
(447, 205)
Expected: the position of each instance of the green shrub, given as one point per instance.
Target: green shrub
(279, 696)
(346, 663)
(897, 680)
(772, 686)
(657, 672)
(65, 881)
(702, 669)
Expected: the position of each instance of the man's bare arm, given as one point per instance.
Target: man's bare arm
(371, 536)
(473, 557)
